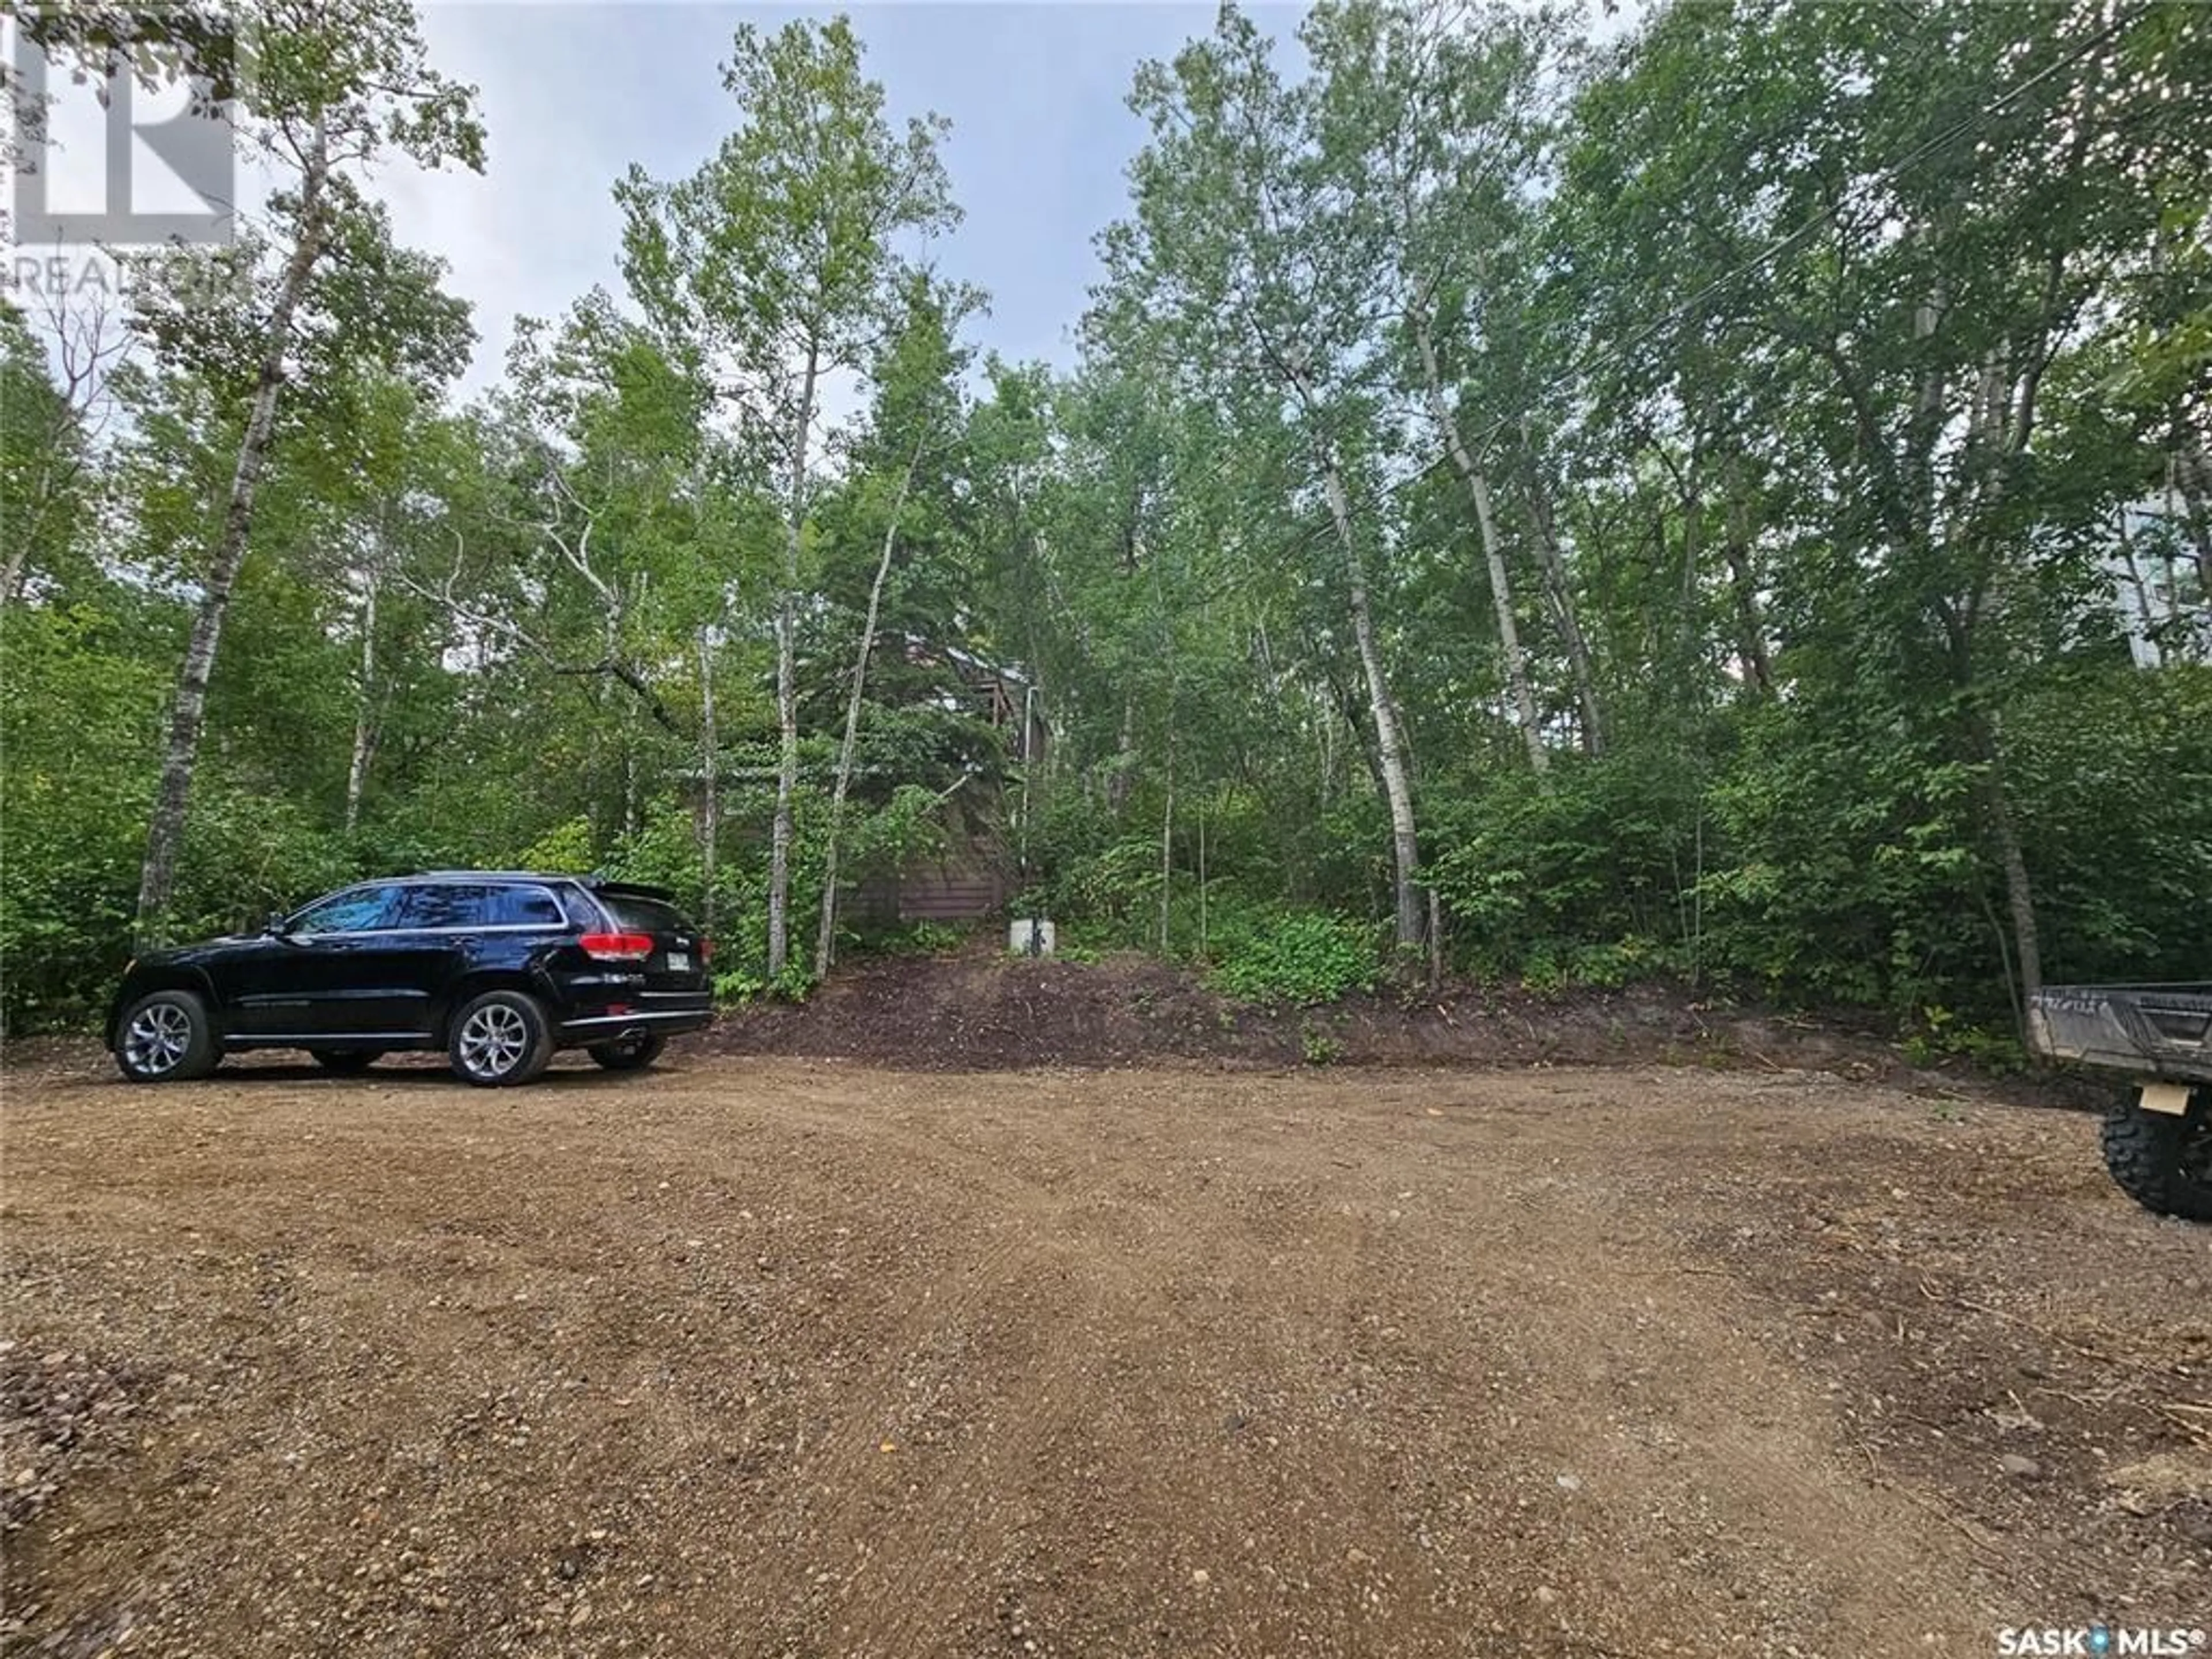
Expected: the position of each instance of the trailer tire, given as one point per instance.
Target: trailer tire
(2163, 1161)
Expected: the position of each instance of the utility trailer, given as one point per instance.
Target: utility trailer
(2158, 1145)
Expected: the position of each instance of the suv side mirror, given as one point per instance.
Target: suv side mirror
(275, 925)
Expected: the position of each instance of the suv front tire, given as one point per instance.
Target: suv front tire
(165, 1037)
(500, 1039)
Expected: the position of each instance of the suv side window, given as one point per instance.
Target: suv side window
(446, 904)
(525, 907)
(358, 910)
(577, 911)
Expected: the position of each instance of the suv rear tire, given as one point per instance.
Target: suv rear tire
(2161, 1160)
(501, 1039)
(628, 1054)
(166, 1037)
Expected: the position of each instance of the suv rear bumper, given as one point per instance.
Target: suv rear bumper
(660, 1013)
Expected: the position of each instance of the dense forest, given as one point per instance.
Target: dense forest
(1733, 502)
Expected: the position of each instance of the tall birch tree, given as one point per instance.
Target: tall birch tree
(1241, 246)
(773, 268)
(334, 86)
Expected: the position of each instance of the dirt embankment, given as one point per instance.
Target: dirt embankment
(984, 1011)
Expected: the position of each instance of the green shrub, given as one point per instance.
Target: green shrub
(1304, 957)
(1570, 876)
(1943, 1035)
(912, 938)
(1315, 1042)
(742, 985)
(566, 850)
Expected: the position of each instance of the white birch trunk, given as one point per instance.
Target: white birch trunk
(1389, 738)
(364, 719)
(1501, 589)
(188, 715)
(787, 679)
(710, 812)
(826, 933)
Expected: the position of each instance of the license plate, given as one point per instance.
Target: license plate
(679, 962)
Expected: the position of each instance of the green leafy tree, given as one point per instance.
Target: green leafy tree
(1238, 247)
(773, 267)
(334, 85)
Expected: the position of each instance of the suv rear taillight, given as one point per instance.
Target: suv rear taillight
(706, 950)
(616, 947)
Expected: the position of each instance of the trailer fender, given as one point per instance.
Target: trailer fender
(2172, 1099)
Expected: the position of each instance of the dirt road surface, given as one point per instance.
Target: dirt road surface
(796, 1358)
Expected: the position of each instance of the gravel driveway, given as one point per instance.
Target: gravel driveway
(799, 1358)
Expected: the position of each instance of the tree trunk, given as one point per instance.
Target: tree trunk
(1167, 853)
(633, 807)
(1328, 725)
(1509, 633)
(1125, 757)
(1436, 939)
(825, 935)
(1560, 595)
(1352, 712)
(187, 717)
(18, 552)
(787, 680)
(2012, 859)
(1389, 739)
(1501, 591)
(1202, 882)
(1751, 626)
(632, 779)
(710, 780)
(786, 783)
(364, 719)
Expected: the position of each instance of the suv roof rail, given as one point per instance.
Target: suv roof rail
(491, 875)
(598, 880)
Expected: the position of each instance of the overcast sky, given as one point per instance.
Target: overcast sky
(573, 93)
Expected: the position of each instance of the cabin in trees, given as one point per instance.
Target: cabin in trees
(975, 874)
(970, 730)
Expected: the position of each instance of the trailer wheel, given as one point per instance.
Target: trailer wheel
(2161, 1160)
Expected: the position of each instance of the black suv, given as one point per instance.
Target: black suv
(497, 968)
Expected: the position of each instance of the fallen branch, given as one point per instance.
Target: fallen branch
(1978, 1537)
(459, 609)
(636, 682)
(2201, 1433)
